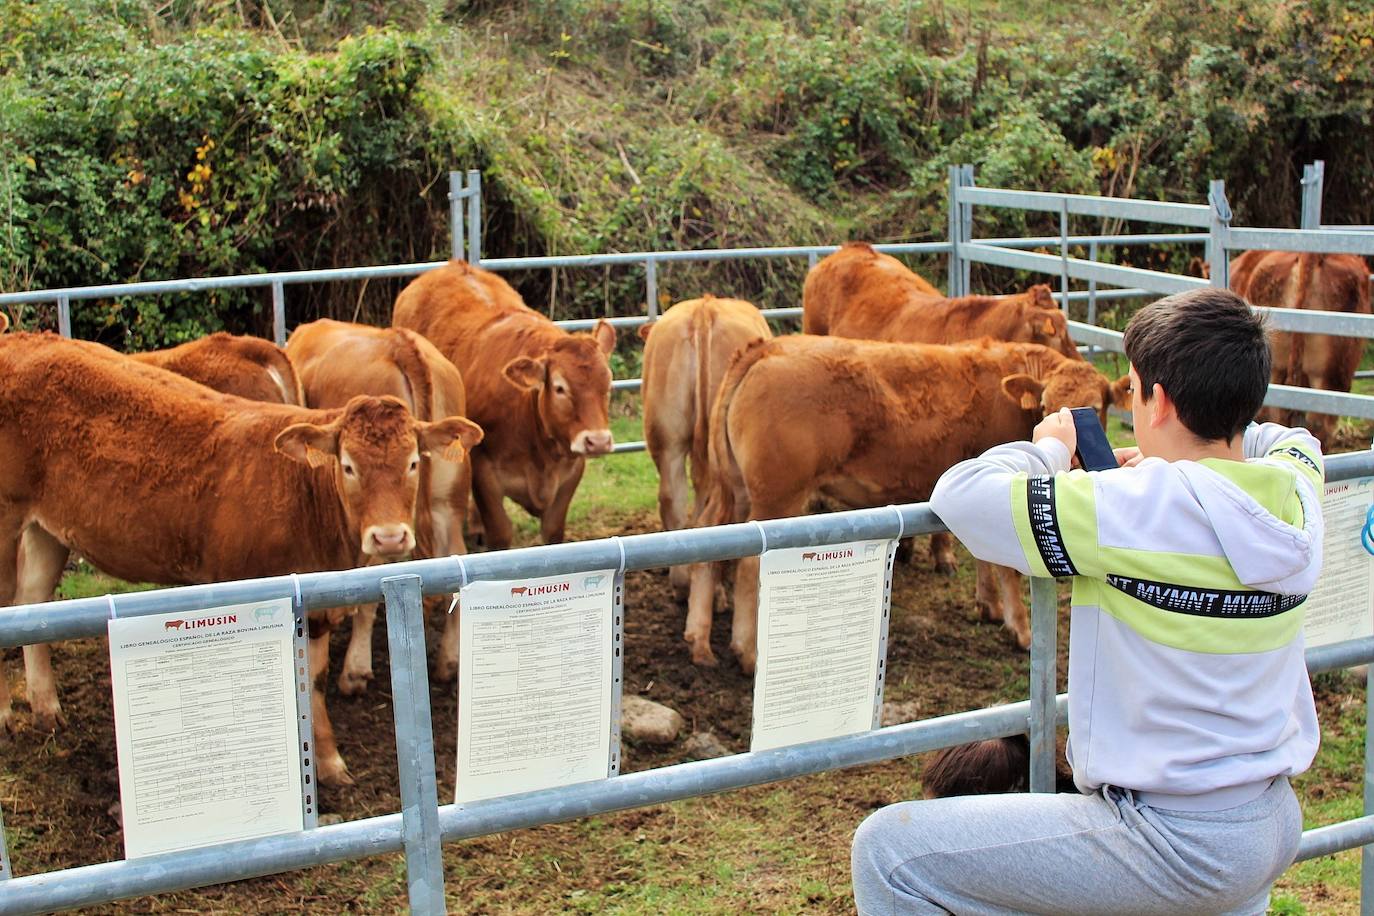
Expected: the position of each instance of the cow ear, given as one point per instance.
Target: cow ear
(604, 333)
(451, 437)
(1024, 390)
(4, 322)
(1121, 391)
(525, 372)
(1042, 326)
(309, 444)
(644, 330)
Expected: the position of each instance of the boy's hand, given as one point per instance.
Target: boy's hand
(1127, 457)
(1058, 426)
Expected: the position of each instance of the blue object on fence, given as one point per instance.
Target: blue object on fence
(1367, 532)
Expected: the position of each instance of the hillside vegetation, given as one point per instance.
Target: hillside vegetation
(147, 140)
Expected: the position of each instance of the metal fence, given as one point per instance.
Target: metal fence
(423, 825)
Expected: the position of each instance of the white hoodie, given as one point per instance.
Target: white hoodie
(1187, 681)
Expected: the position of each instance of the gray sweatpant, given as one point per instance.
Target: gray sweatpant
(1069, 853)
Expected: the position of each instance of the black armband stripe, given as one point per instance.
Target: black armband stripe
(1044, 525)
(1220, 603)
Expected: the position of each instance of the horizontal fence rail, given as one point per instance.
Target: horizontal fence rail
(110, 881)
(1148, 211)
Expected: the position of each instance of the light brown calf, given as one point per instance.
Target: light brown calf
(248, 367)
(193, 487)
(338, 361)
(541, 395)
(865, 424)
(857, 270)
(686, 353)
(1330, 282)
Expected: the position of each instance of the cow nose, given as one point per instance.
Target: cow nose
(594, 442)
(388, 540)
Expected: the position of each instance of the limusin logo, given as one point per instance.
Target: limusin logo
(822, 556)
(202, 622)
(536, 591)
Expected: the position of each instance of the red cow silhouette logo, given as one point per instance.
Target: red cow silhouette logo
(173, 625)
(809, 555)
(519, 590)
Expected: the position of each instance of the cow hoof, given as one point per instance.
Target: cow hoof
(702, 654)
(333, 772)
(49, 720)
(354, 683)
(445, 671)
(1023, 641)
(747, 660)
(989, 613)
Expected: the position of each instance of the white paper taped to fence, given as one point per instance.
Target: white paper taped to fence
(820, 630)
(206, 726)
(534, 683)
(1341, 607)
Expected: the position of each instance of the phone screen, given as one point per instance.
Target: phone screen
(1094, 451)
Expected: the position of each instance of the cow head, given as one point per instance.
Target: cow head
(1046, 324)
(572, 381)
(375, 446)
(1052, 381)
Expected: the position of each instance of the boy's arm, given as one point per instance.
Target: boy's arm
(1295, 446)
(1018, 505)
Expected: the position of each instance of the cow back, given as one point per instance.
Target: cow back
(862, 283)
(246, 367)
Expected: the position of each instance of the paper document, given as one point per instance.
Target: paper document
(821, 613)
(206, 726)
(534, 684)
(1341, 607)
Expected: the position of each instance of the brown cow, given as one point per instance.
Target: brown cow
(840, 274)
(4, 322)
(685, 358)
(248, 367)
(337, 361)
(194, 487)
(541, 395)
(857, 292)
(866, 424)
(1293, 280)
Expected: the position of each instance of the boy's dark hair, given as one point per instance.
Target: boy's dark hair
(1208, 350)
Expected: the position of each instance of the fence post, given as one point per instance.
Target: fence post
(474, 217)
(1092, 286)
(64, 316)
(405, 632)
(955, 269)
(1367, 852)
(278, 313)
(651, 285)
(966, 229)
(1313, 181)
(455, 214)
(1064, 256)
(6, 872)
(1219, 232)
(1043, 677)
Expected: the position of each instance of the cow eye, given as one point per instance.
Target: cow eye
(560, 390)
(414, 465)
(348, 471)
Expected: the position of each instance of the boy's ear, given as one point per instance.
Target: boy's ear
(1121, 391)
(1024, 390)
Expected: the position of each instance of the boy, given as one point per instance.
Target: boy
(1189, 700)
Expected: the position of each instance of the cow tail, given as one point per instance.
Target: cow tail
(719, 508)
(702, 393)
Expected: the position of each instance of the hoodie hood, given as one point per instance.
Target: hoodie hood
(1267, 552)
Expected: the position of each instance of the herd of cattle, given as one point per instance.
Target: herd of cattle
(229, 458)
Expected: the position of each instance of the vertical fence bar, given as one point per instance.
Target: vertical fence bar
(1064, 256)
(474, 190)
(64, 316)
(1367, 852)
(1313, 181)
(1092, 287)
(651, 285)
(966, 230)
(955, 269)
(1044, 663)
(455, 214)
(405, 632)
(1218, 232)
(278, 313)
(811, 259)
(6, 872)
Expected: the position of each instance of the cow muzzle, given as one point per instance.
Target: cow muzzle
(388, 541)
(593, 442)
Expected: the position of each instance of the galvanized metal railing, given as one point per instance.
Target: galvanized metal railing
(422, 825)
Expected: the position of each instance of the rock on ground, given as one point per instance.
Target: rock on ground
(645, 721)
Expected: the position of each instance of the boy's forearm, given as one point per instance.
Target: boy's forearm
(974, 498)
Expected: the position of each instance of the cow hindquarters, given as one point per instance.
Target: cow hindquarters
(9, 570)
(40, 569)
(671, 460)
(329, 765)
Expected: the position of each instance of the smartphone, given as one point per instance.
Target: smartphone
(1094, 451)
